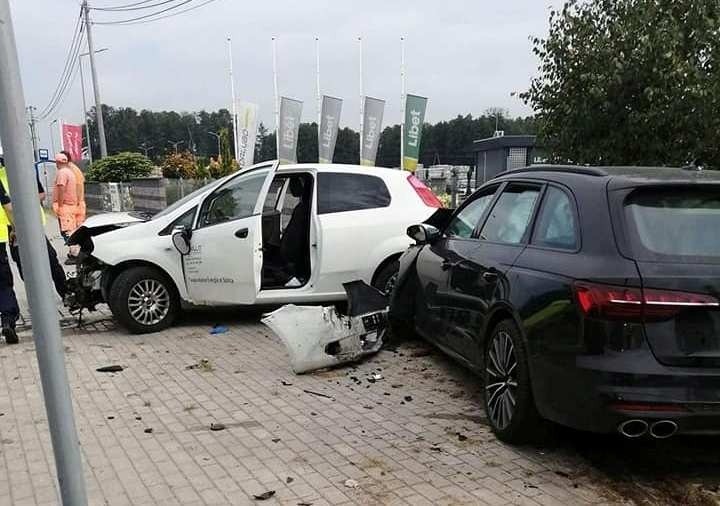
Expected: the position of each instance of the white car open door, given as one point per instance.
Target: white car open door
(224, 265)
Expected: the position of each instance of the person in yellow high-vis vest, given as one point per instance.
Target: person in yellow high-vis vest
(9, 309)
(58, 273)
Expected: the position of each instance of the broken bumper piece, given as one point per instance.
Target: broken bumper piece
(317, 337)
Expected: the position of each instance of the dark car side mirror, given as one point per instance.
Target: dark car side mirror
(423, 233)
(181, 240)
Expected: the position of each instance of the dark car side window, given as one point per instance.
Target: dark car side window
(468, 218)
(338, 192)
(556, 226)
(511, 215)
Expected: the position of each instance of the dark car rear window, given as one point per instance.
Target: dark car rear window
(338, 192)
(678, 224)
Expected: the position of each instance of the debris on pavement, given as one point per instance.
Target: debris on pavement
(216, 426)
(318, 394)
(318, 337)
(289, 480)
(110, 368)
(350, 483)
(218, 329)
(204, 365)
(264, 496)
(148, 430)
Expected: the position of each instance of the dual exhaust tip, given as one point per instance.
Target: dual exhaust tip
(635, 428)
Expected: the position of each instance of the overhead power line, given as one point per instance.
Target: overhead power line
(138, 18)
(67, 73)
(169, 15)
(133, 7)
(125, 6)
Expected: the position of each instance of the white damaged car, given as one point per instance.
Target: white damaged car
(266, 235)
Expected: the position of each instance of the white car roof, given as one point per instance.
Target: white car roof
(340, 167)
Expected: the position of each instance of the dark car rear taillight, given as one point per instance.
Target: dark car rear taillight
(623, 303)
(425, 193)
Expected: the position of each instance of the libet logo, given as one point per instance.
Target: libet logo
(327, 135)
(414, 130)
(371, 132)
(288, 139)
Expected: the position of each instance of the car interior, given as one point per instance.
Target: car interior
(286, 232)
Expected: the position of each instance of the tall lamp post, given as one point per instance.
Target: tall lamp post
(52, 135)
(82, 89)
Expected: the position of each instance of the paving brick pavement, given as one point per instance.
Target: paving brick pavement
(417, 436)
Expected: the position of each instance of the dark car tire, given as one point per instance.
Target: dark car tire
(134, 282)
(524, 421)
(386, 277)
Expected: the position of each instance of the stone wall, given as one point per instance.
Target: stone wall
(150, 195)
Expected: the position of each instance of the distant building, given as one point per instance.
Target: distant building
(500, 153)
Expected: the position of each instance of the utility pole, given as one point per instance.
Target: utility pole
(362, 103)
(84, 104)
(33, 131)
(34, 255)
(402, 103)
(96, 86)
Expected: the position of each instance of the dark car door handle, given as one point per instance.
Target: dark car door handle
(490, 277)
(242, 233)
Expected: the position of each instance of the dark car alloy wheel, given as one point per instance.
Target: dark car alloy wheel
(502, 371)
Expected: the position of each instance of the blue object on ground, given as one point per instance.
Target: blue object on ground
(218, 329)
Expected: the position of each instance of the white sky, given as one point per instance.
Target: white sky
(465, 56)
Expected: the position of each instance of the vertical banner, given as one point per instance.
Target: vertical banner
(290, 112)
(71, 140)
(414, 118)
(372, 127)
(247, 128)
(329, 121)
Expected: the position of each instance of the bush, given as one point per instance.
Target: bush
(179, 165)
(120, 168)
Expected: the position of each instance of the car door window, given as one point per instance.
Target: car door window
(184, 220)
(338, 192)
(510, 217)
(556, 226)
(233, 201)
(464, 222)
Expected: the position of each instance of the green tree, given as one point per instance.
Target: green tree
(120, 168)
(630, 82)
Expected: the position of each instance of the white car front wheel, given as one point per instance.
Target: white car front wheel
(143, 300)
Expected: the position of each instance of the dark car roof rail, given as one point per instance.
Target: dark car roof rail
(572, 169)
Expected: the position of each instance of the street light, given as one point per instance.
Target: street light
(82, 88)
(214, 134)
(52, 136)
(146, 149)
(175, 145)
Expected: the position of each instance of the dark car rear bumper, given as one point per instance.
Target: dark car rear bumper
(599, 392)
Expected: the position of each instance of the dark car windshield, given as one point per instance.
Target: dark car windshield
(678, 224)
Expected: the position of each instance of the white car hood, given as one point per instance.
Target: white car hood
(119, 218)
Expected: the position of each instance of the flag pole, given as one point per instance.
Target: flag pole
(402, 103)
(362, 102)
(234, 101)
(277, 99)
(319, 97)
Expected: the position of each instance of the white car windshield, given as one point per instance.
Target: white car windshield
(187, 198)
